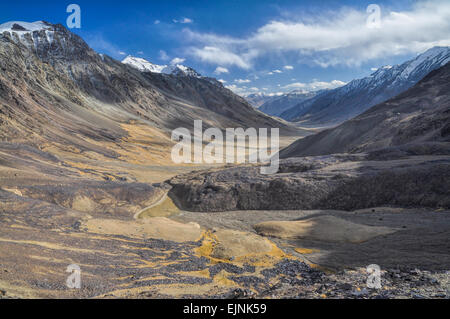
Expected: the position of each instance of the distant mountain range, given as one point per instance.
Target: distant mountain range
(416, 121)
(340, 104)
(259, 98)
(280, 104)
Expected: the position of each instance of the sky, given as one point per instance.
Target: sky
(256, 46)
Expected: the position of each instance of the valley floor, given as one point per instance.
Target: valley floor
(216, 255)
(131, 241)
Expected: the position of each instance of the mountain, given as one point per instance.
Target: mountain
(415, 120)
(71, 115)
(143, 65)
(64, 75)
(146, 66)
(348, 101)
(279, 104)
(259, 98)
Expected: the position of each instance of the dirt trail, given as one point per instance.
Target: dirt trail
(157, 203)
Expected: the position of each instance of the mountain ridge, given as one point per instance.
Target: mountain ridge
(417, 118)
(352, 99)
(278, 105)
(145, 66)
(84, 74)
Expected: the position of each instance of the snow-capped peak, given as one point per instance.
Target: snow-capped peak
(298, 92)
(403, 76)
(146, 66)
(143, 65)
(435, 56)
(24, 27)
(31, 34)
(181, 70)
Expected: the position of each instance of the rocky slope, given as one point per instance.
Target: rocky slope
(359, 95)
(72, 85)
(419, 116)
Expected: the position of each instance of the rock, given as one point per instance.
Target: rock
(345, 286)
(364, 184)
(360, 293)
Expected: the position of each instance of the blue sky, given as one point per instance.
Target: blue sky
(266, 46)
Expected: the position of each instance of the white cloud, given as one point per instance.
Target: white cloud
(140, 52)
(122, 53)
(177, 61)
(219, 56)
(277, 71)
(339, 37)
(275, 94)
(270, 73)
(314, 86)
(222, 81)
(186, 20)
(163, 55)
(288, 67)
(243, 91)
(157, 22)
(235, 89)
(242, 81)
(220, 70)
(183, 21)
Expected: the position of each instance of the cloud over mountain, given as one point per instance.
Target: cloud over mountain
(332, 38)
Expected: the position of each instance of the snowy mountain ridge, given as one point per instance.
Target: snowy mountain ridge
(146, 66)
(352, 99)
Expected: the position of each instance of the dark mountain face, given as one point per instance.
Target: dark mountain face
(338, 105)
(415, 118)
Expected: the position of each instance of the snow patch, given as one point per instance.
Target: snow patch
(24, 27)
(146, 66)
(143, 65)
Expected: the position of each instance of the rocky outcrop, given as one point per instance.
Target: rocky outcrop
(333, 182)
